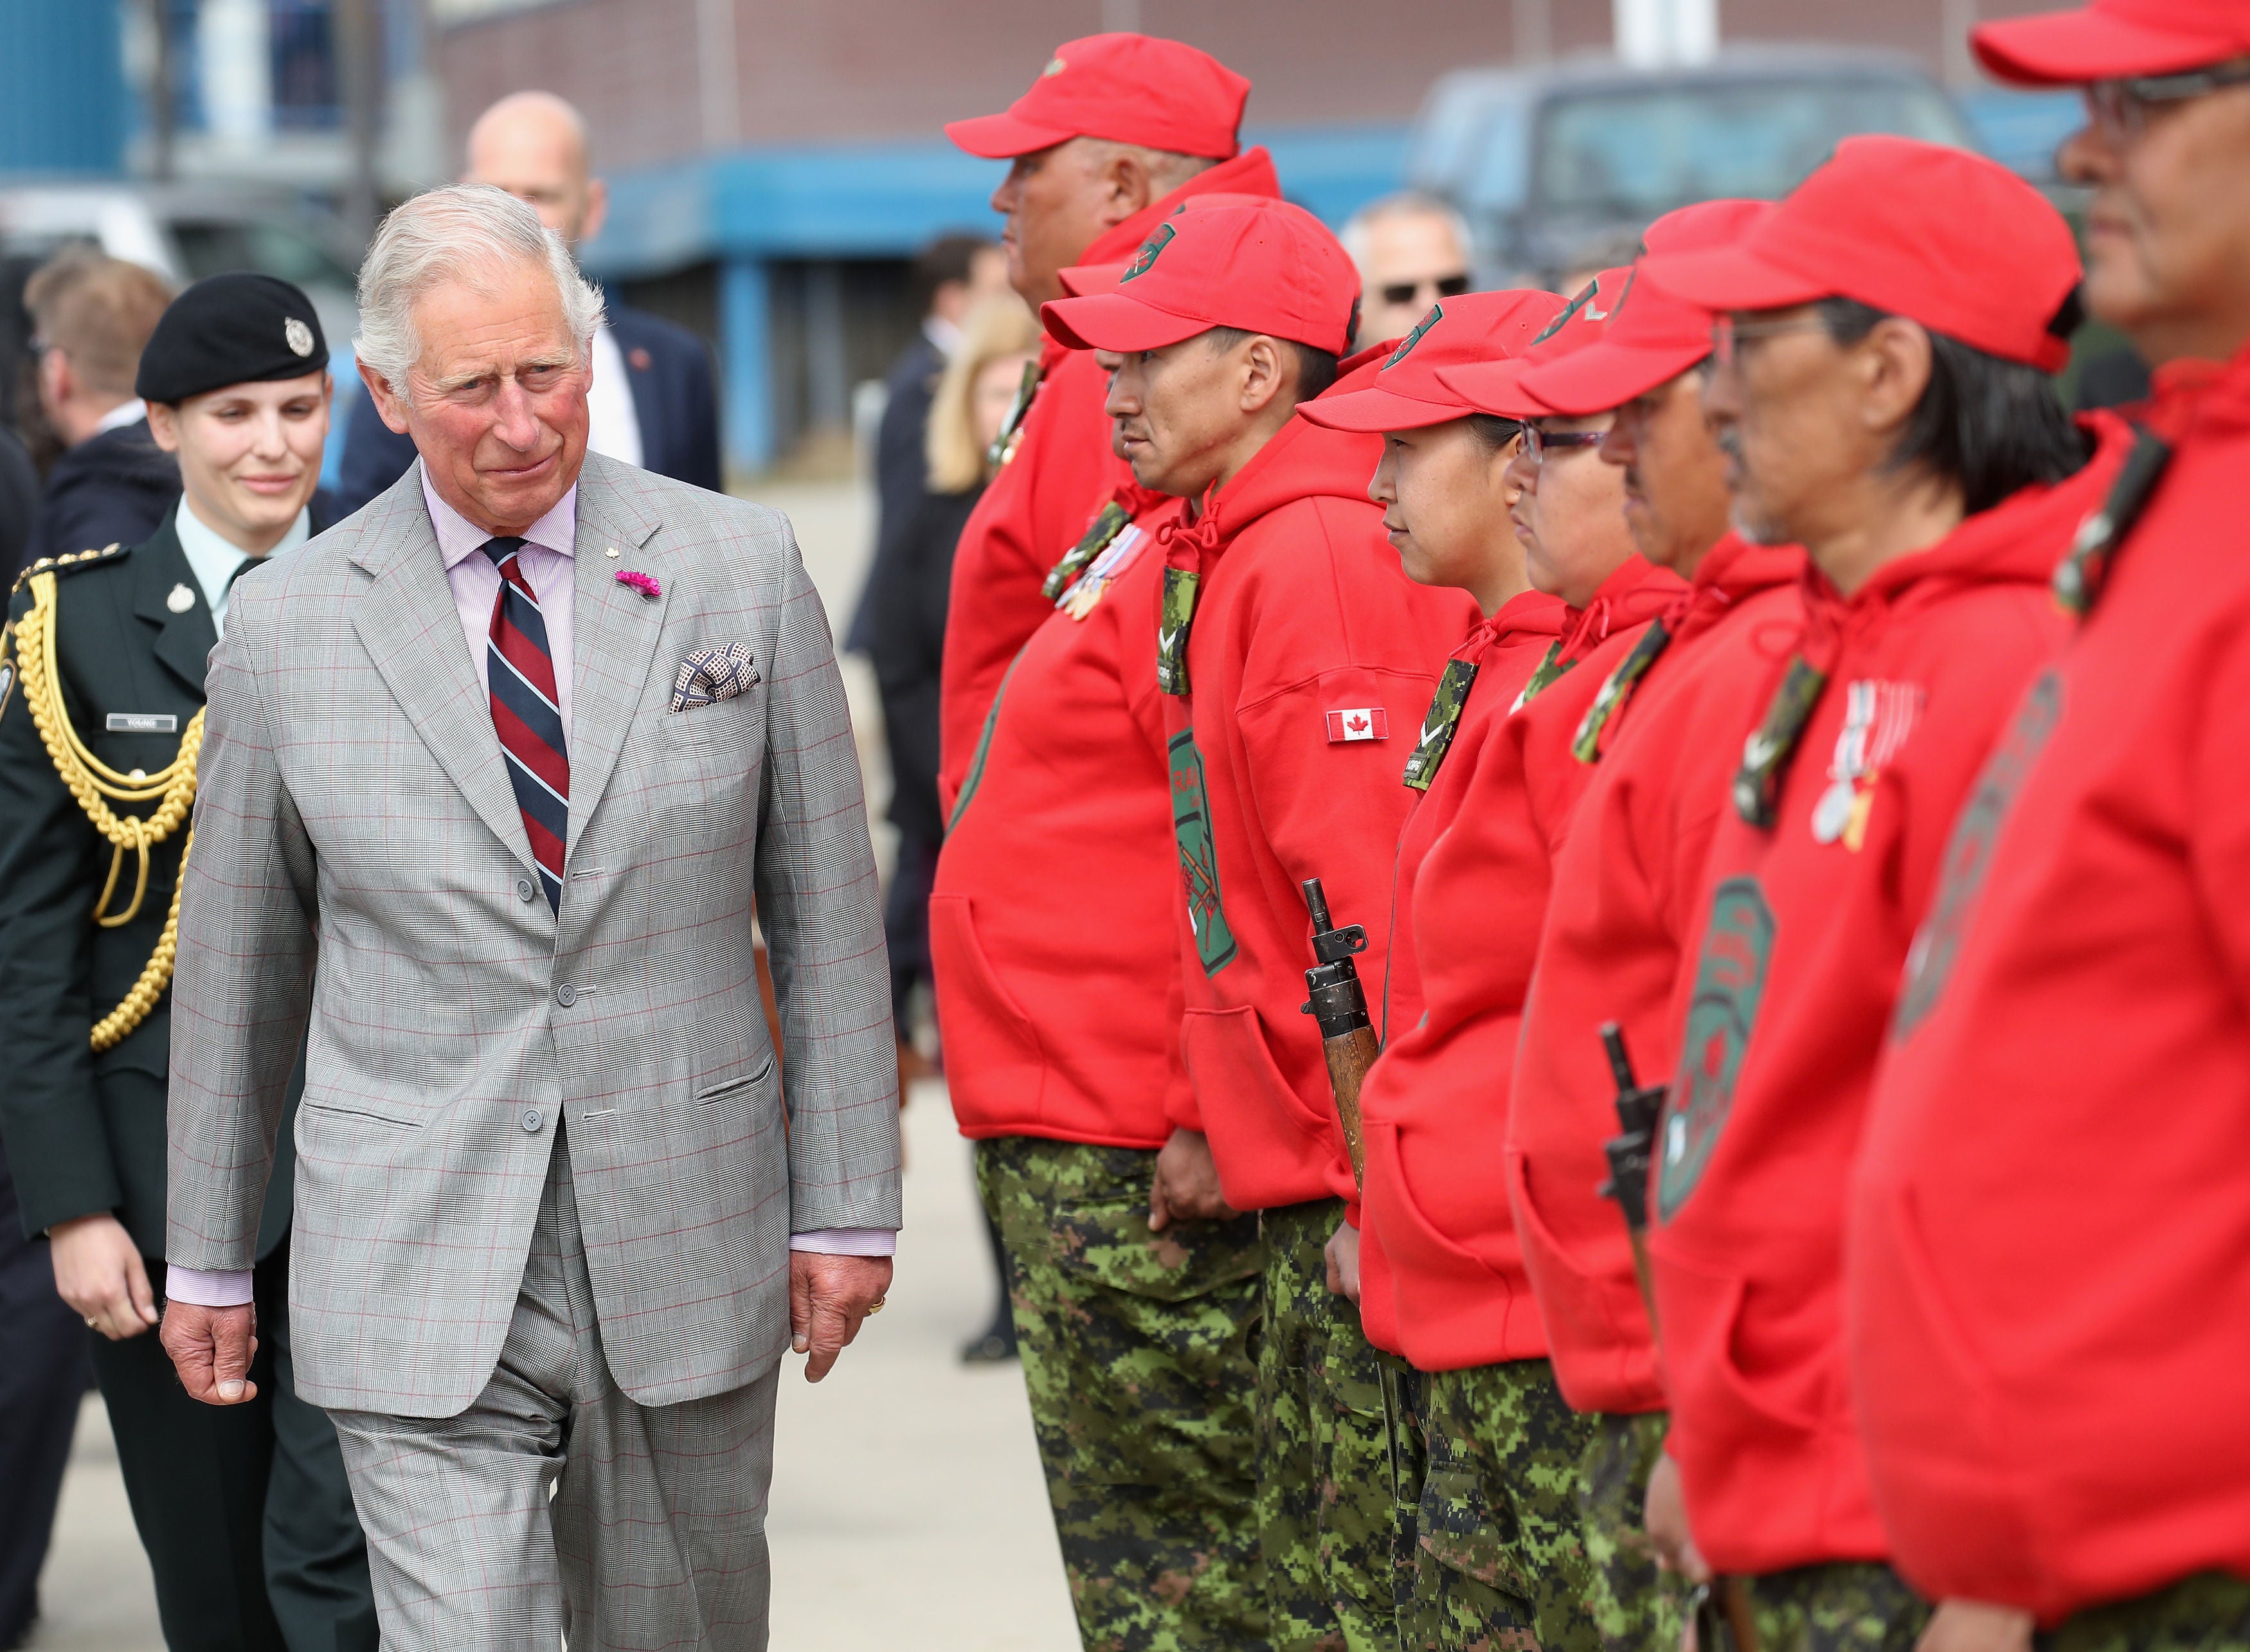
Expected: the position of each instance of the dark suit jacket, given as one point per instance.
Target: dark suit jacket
(901, 471)
(19, 506)
(85, 1133)
(111, 489)
(906, 641)
(674, 397)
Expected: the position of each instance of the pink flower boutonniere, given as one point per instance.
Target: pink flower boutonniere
(645, 583)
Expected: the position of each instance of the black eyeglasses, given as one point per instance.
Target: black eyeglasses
(2120, 108)
(1537, 443)
(1445, 287)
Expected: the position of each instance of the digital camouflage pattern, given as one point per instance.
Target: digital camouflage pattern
(1405, 1399)
(1325, 1484)
(1139, 1353)
(1175, 620)
(1503, 1565)
(1844, 1605)
(1551, 666)
(2209, 1612)
(1635, 1606)
(1440, 724)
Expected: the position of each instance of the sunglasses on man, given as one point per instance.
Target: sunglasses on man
(2120, 109)
(1445, 287)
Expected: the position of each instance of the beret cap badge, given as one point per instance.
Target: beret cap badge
(296, 336)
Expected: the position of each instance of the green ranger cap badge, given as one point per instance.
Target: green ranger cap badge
(1147, 259)
(1437, 314)
(1569, 310)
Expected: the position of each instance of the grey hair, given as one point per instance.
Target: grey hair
(456, 233)
(1405, 203)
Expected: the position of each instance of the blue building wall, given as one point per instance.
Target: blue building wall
(63, 105)
(746, 210)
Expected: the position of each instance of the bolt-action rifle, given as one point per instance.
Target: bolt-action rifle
(1339, 1004)
(1629, 1152)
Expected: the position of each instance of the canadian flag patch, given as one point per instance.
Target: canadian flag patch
(1359, 722)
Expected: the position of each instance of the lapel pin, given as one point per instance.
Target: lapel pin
(645, 583)
(612, 551)
(181, 600)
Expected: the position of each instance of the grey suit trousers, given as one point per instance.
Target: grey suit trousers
(655, 1533)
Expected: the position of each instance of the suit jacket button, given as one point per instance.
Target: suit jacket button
(524, 889)
(531, 1119)
(566, 995)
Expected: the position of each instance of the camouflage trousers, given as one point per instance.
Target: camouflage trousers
(1326, 1485)
(1839, 1605)
(2209, 1612)
(1635, 1606)
(1503, 1565)
(1139, 1353)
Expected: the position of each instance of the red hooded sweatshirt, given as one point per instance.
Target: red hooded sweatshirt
(1627, 887)
(1041, 501)
(1051, 928)
(1310, 658)
(1497, 658)
(1435, 1106)
(1783, 1009)
(2050, 1237)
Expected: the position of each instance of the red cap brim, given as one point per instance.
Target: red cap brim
(1003, 137)
(2072, 48)
(1605, 375)
(1731, 277)
(1116, 321)
(1496, 388)
(1375, 410)
(1081, 279)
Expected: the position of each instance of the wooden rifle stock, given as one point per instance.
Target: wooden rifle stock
(1339, 1005)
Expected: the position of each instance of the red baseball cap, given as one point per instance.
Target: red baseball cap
(1655, 337)
(1498, 387)
(1265, 267)
(1082, 278)
(1955, 241)
(2113, 38)
(1405, 393)
(1129, 88)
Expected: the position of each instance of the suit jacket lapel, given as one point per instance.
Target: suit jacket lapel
(406, 619)
(184, 640)
(613, 634)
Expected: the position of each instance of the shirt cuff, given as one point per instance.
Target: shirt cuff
(229, 1288)
(845, 1242)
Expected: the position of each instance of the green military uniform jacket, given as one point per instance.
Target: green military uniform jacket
(84, 1132)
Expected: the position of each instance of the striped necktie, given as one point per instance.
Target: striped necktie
(529, 714)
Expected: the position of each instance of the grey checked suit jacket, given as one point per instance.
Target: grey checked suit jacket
(355, 810)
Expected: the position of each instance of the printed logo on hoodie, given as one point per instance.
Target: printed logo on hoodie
(1215, 946)
(1968, 853)
(1729, 981)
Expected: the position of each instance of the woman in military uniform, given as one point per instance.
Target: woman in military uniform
(244, 1511)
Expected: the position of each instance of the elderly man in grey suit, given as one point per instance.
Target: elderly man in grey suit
(494, 774)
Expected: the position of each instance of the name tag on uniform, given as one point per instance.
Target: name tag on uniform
(143, 723)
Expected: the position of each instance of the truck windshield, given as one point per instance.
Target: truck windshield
(1636, 153)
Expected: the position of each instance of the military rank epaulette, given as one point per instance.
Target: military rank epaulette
(70, 561)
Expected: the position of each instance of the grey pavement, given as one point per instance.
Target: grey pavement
(908, 1504)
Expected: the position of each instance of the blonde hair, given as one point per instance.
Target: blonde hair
(1000, 327)
(97, 310)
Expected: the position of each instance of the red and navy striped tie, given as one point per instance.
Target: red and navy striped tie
(528, 715)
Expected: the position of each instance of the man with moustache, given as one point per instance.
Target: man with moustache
(1117, 131)
(246, 1515)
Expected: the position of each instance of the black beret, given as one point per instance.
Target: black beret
(238, 328)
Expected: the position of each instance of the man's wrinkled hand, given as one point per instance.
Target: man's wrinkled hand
(99, 1272)
(1665, 1515)
(1186, 1186)
(828, 1298)
(1975, 1626)
(1343, 1254)
(211, 1348)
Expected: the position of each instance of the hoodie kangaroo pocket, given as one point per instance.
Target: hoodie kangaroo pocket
(994, 1066)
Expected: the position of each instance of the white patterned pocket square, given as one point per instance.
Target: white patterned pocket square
(711, 674)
